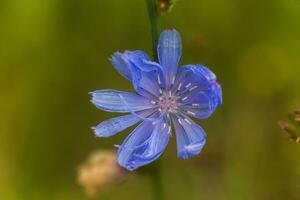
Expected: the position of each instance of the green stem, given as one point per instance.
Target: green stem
(155, 169)
(153, 15)
(156, 180)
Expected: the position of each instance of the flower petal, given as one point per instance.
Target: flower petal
(120, 65)
(190, 137)
(200, 93)
(144, 145)
(119, 101)
(169, 52)
(115, 125)
(137, 67)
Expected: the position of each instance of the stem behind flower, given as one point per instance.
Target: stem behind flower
(154, 17)
(155, 169)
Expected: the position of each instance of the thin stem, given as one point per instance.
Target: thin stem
(153, 15)
(155, 175)
(154, 170)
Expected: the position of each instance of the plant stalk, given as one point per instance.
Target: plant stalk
(155, 169)
(154, 17)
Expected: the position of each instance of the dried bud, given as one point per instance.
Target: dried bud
(99, 171)
(297, 112)
(165, 5)
(285, 127)
(297, 119)
(291, 128)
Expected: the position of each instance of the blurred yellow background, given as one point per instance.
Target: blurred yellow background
(53, 52)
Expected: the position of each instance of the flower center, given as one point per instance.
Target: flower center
(167, 101)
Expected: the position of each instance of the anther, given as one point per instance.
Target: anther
(169, 129)
(192, 88)
(155, 122)
(158, 79)
(173, 80)
(184, 98)
(153, 102)
(180, 122)
(188, 85)
(192, 113)
(185, 119)
(179, 86)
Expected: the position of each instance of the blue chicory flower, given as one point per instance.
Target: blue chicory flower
(164, 96)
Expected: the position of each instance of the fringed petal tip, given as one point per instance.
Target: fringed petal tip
(219, 94)
(190, 137)
(121, 65)
(191, 150)
(96, 134)
(169, 52)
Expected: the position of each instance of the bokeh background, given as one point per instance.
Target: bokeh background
(53, 52)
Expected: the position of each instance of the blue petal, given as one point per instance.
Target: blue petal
(119, 101)
(190, 137)
(169, 52)
(199, 105)
(203, 94)
(115, 125)
(137, 67)
(196, 74)
(144, 145)
(120, 65)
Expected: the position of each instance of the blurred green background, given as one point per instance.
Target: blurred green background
(53, 52)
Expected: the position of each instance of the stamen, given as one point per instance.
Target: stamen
(158, 79)
(195, 104)
(192, 88)
(164, 125)
(159, 109)
(155, 122)
(188, 85)
(170, 93)
(168, 115)
(169, 129)
(160, 91)
(192, 113)
(184, 98)
(153, 102)
(180, 122)
(179, 86)
(185, 119)
(173, 80)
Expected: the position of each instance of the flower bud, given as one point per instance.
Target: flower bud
(165, 5)
(297, 112)
(99, 171)
(297, 119)
(285, 126)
